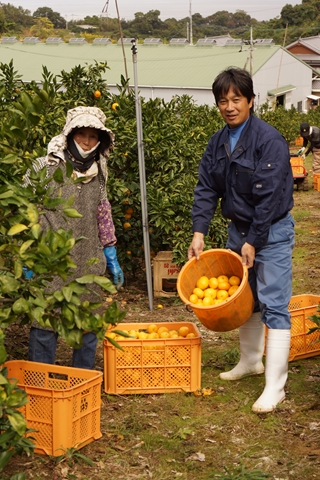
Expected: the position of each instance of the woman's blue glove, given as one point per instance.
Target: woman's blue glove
(27, 273)
(113, 266)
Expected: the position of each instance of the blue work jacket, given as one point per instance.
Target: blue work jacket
(254, 182)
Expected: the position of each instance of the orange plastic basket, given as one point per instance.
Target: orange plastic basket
(64, 404)
(302, 345)
(232, 312)
(153, 366)
(316, 181)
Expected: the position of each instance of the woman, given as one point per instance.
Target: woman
(85, 142)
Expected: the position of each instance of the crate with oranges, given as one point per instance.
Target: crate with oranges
(156, 358)
(214, 290)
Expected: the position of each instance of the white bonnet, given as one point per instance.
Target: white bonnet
(86, 117)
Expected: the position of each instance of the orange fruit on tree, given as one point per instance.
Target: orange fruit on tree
(199, 292)
(203, 282)
(193, 298)
(234, 280)
(114, 106)
(129, 211)
(127, 215)
(213, 282)
(97, 94)
(222, 294)
(126, 225)
(183, 331)
(224, 285)
(222, 278)
(232, 290)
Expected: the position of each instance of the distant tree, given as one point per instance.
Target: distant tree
(54, 17)
(43, 28)
(17, 17)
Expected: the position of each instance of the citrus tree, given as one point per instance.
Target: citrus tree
(175, 135)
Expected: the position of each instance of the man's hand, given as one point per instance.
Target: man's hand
(248, 253)
(196, 246)
(300, 152)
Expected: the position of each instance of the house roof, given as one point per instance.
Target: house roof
(157, 65)
(312, 43)
(281, 90)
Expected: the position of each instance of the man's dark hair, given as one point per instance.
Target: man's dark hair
(237, 78)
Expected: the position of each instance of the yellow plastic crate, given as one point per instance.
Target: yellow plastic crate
(302, 345)
(153, 366)
(64, 404)
(316, 181)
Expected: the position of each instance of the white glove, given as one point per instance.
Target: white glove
(299, 152)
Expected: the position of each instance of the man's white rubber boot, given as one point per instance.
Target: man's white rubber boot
(251, 336)
(277, 354)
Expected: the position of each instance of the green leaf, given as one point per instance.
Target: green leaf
(9, 159)
(25, 246)
(17, 421)
(33, 213)
(86, 279)
(17, 399)
(17, 229)
(35, 230)
(4, 458)
(67, 292)
(3, 358)
(105, 283)
(20, 306)
(72, 213)
(58, 175)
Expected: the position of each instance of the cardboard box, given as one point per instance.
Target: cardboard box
(165, 274)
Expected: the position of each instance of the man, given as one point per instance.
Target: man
(312, 135)
(247, 166)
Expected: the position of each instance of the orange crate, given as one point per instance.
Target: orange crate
(302, 345)
(153, 366)
(296, 161)
(64, 404)
(299, 142)
(316, 181)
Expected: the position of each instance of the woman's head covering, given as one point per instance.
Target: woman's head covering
(83, 117)
(89, 117)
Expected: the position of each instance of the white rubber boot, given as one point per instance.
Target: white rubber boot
(251, 335)
(278, 347)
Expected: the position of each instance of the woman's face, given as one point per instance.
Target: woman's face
(86, 138)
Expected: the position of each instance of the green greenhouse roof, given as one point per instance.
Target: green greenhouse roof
(157, 65)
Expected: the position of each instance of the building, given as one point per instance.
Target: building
(308, 50)
(177, 68)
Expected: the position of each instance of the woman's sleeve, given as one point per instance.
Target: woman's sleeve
(106, 228)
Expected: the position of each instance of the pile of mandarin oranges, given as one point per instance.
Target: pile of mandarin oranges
(214, 290)
(153, 331)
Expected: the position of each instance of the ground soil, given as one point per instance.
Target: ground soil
(181, 435)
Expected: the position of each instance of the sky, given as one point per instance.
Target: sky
(78, 9)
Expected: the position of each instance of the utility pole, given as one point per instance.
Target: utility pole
(251, 53)
(190, 29)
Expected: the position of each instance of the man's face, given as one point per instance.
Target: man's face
(234, 108)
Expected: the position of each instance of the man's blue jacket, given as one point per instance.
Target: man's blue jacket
(254, 183)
